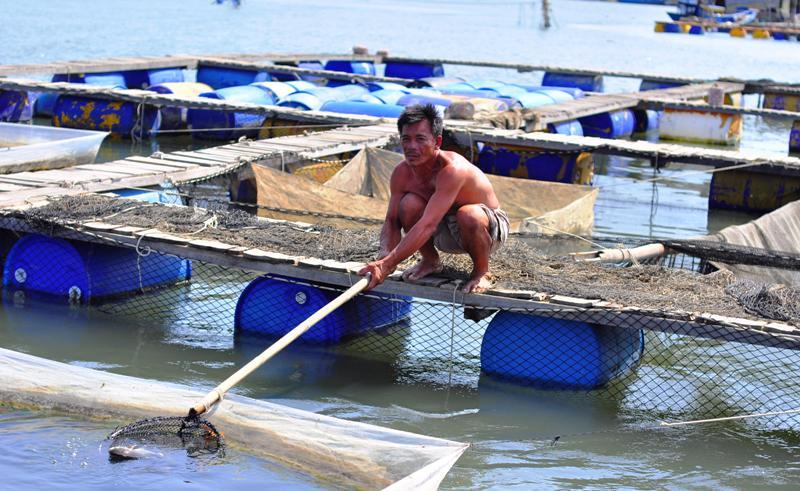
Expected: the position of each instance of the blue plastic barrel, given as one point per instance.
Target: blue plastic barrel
(307, 64)
(151, 195)
(794, 138)
(557, 95)
(13, 105)
(302, 85)
(350, 91)
(486, 84)
(672, 27)
(572, 128)
(302, 100)
(534, 99)
(646, 120)
(365, 108)
(648, 84)
(551, 167)
(615, 124)
(82, 271)
(118, 117)
(413, 70)
(221, 77)
(435, 82)
(697, 30)
(780, 36)
(552, 353)
(589, 83)
(231, 124)
(277, 90)
(388, 96)
(369, 98)
(356, 67)
(413, 99)
(272, 306)
(46, 103)
(173, 117)
(144, 79)
(114, 79)
(575, 92)
(374, 86)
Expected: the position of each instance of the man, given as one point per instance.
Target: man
(441, 201)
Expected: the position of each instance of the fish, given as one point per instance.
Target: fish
(122, 452)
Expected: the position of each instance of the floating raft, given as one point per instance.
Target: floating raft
(334, 451)
(329, 272)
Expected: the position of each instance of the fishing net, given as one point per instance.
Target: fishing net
(197, 436)
(656, 338)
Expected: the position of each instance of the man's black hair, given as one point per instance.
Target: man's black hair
(418, 112)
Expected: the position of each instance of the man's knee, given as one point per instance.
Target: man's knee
(412, 207)
(472, 219)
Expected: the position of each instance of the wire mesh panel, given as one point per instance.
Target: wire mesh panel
(639, 360)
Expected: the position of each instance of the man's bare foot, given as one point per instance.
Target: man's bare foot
(479, 284)
(422, 269)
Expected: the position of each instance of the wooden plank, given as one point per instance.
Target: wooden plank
(102, 65)
(106, 168)
(164, 162)
(5, 187)
(144, 167)
(228, 155)
(765, 163)
(189, 160)
(270, 257)
(213, 245)
(272, 68)
(207, 157)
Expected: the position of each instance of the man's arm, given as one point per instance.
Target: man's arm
(391, 231)
(448, 185)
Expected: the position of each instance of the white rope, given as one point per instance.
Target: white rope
(730, 418)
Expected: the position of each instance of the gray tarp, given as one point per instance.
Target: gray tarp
(776, 231)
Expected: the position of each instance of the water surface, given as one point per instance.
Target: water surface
(606, 443)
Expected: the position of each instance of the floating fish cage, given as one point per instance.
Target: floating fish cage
(646, 360)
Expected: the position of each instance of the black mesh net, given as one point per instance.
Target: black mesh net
(657, 360)
(146, 437)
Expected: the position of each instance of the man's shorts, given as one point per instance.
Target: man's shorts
(447, 237)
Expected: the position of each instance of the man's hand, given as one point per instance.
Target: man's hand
(378, 270)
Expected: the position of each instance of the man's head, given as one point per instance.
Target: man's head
(420, 128)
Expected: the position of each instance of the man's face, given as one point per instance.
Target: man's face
(419, 144)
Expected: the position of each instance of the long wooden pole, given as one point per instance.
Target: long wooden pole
(216, 394)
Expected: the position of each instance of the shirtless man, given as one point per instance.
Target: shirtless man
(441, 201)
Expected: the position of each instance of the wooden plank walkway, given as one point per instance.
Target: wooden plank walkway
(539, 118)
(328, 74)
(750, 86)
(780, 114)
(160, 100)
(181, 167)
(760, 332)
(657, 152)
(153, 62)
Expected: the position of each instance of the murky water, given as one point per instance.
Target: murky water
(602, 444)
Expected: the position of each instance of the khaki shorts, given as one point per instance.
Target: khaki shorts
(447, 237)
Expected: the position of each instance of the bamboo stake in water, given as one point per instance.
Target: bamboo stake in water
(217, 393)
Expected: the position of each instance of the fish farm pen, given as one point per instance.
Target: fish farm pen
(279, 206)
